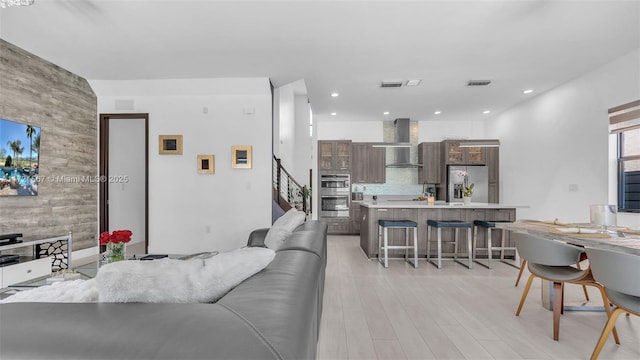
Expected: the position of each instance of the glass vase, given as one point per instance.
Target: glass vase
(115, 252)
(603, 216)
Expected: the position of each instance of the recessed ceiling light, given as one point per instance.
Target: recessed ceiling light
(335, 94)
(528, 91)
(334, 114)
(413, 82)
(486, 111)
(437, 112)
(386, 113)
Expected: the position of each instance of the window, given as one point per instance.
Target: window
(629, 170)
(625, 121)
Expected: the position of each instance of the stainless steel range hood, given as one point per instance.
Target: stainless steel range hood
(402, 145)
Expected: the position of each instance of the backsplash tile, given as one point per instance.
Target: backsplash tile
(400, 181)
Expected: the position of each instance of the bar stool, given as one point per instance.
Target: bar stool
(449, 224)
(490, 225)
(383, 237)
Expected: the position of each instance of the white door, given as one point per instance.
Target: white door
(126, 180)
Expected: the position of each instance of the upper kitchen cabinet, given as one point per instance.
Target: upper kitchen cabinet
(493, 163)
(368, 164)
(429, 158)
(455, 154)
(334, 155)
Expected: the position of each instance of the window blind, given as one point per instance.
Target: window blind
(624, 117)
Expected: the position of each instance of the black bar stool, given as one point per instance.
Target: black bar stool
(383, 240)
(489, 226)
(449, 224)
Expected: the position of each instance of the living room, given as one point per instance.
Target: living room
(557, 155)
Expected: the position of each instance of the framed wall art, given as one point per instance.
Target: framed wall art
(241, 156)
(170, 144)
(206, 164)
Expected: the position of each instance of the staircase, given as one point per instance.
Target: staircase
(287, 192)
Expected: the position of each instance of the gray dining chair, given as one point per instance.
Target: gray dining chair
(618, 273)
(523, 264)
(555, 261)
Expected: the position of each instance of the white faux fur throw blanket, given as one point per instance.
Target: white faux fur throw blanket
(157, 281)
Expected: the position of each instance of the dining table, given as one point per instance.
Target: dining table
(612, 238)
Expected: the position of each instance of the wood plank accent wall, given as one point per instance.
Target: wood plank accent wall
(63, 105)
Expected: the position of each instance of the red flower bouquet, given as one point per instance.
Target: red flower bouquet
(117, 236)
(115, 244)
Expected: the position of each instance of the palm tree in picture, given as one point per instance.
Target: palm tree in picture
(30, 132)
(15, 147)
(19, 151)
(36, 144)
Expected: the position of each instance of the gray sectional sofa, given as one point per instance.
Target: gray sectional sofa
(274, 314)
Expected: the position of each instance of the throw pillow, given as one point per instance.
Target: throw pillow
(180, 281)
(283, 227)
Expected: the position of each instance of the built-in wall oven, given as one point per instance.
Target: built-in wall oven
(335, 182)
(335, 195)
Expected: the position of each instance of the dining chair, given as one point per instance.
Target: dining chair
(523, 264)
(618, 273)
(555, 261)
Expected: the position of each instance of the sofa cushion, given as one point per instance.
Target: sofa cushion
(281, 303)
(308, 237)
(127, 331)
(283, 227)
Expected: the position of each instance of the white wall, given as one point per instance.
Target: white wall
(189, 212)
(438, 130)
(357, 131)
(291, 139)
(303, 158)
(286, 126)
(372, 131)
(275, 141)
(554, 148)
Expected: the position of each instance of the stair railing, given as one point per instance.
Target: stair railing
(287, 192)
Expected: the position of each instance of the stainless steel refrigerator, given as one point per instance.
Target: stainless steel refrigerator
(478, 175)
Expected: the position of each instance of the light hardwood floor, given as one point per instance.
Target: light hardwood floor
(453, 313)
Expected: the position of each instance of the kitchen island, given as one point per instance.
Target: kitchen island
(420, 212)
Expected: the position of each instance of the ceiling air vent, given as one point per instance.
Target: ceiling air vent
(478, 82)
(391, 84)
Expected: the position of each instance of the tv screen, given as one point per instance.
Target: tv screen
(19, 150)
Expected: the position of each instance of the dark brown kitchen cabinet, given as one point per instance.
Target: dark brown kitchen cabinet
(454, 154)
(338, 225)
(493, 163)
(359, 166)
(334, 155)
(429, 158)
(494, 196)
(355, 217)
(368, 164)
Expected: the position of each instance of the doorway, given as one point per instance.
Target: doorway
(124, 183)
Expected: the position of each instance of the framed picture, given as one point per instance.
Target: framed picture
(241, 156)
(206, 164)
(170, 144)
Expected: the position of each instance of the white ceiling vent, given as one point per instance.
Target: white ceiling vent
(391, 84)
(478, 82)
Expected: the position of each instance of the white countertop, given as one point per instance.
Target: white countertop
(409, 204)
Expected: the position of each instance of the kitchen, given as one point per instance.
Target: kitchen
(398, 168)
(361, 181)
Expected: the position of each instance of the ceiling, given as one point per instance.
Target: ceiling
(347, 47)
